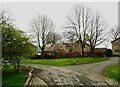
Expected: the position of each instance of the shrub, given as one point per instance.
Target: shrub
(72, 54)
(36, 57)
(49, 57)
(108, 52)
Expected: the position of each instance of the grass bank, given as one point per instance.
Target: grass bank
(63, 61)
(10, 78)
(113, 72)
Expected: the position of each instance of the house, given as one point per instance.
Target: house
(38, 50)
(116, 47)
(58, 47)
(74, 50)
(48, 50)
(68, 46)
(100, 52)
(77, 47)
(58, 50)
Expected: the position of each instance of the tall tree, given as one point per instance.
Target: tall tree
(78, 21)
(115, 32)
(97, 31)
(70, 36)
(42, 27)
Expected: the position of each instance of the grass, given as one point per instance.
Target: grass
(113, 72)
(64, 62)
(12, 78)
(8, 69)
(17, 79)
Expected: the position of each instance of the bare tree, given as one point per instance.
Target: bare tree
(97, 31)
(70, 36)
(42, 27)
(53, 38)
(115, 32)
(78, 21)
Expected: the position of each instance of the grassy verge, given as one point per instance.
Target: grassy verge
(17, 79)
(10, 78)
(64, 62)
(113, 72)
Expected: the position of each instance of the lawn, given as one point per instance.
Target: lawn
(63, 61)
(14, 80)
(113, 72)
(10, 78)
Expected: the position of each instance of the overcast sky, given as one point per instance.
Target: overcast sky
(57, 11)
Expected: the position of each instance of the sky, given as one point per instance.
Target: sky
(24, 12)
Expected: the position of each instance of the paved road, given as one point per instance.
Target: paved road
(87, 74)
(95, 67)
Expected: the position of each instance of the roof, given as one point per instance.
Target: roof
(48, 48)
(115, 39)
(100, 49)
(67, 44)
(38, 50)
(57, 47)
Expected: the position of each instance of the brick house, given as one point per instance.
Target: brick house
(116, 47)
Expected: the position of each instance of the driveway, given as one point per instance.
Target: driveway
(87, 74)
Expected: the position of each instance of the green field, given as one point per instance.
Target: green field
(64, 62)
(113, 72)
(10, 78)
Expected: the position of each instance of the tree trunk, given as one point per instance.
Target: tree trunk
(18, 66)
(92, 52)
(15, 68)
(83, 53)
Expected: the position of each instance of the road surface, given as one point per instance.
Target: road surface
(87, 74)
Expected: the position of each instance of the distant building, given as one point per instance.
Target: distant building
(38, 50)
(58, 47)
(67, 47)
(116, 47)
(100, 52)
(77, 47)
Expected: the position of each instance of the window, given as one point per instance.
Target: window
(116, 50)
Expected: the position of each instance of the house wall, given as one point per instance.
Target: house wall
(116, 47)
(77, 47)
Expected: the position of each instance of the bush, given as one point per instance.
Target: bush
(72, 54)
(49, 57)
(108, 52)
(36, 57)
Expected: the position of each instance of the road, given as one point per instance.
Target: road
(95, 67)
(87, 74)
